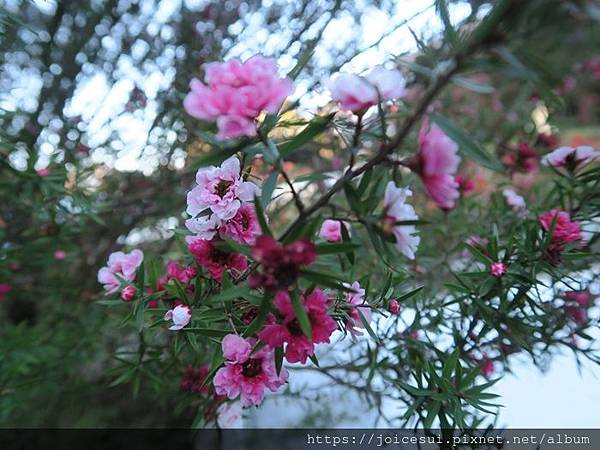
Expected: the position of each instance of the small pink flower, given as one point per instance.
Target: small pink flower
(498, 269)
(487, 367)
(216, 261)
(565, 230)
(5, 288)
(465, 185)
(437, 163)
(515, 201)
(570, 157)
(123, 265)
(128, 293)
(243, 227)
(331, 230)
(182, 274)
(299, 347)
(247, 374)
(397, 210)
(582, 298)
(356, 299)
(44, 172)
(577, 314)
(60, 255)
(235, 93)
(180, 316)
(394, 306)
(356, 93)
(221, 189)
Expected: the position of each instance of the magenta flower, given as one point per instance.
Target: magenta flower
(280, 264)
(498, 269)
(234, 94)
(180, 316)
(356, 300)
(582, 298)
(565, 230)
(193, 380)
(5, 288)
(576, 304)
(299, 347)
(331, 230)
(356, 93)
(487, 367)
(437, 163)
(394, 306)
(570, 157)
(247, 374)
(221, 189)
(397, 210)
(216, 261)
(243, 227)
(123, 265)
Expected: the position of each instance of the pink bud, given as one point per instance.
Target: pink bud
(59, 255)
(394, 307)
(43, 172)
(498, 269)
(128, 294)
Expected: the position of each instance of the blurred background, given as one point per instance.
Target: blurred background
(96, 152)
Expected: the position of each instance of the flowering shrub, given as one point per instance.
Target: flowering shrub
(406, 235)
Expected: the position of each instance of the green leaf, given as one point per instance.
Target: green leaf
(265, 307)
(338, 247)
(261, 217)
(301, 314)
(268, 187)
(466, 145)
(278, 359)
(316, 126)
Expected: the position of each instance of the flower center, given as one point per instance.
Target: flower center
(252, 368)
(222, 187)
(294, 328)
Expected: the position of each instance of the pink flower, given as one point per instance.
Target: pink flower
(235, 93)
(5, 288)
(356, 299)
(577, 314)
(60, 255)
(565, 230)
(498, 269)
(229, 415)
(299, 347)
(487, 367)
(570, 157)
(465, 185)
(221, 189)
(183, 274)
(243, 227)
(394, 306)
(280, 264)
(515, 201)
(331, 230)
(203, 227)
(356, 93)
(180, 316)
(216, 261)
(582, 298)
(247, 374)
(437, 163)
(397, 210)
(44, 172)
(123, 265)
(128, 293)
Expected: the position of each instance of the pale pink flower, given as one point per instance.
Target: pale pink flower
(123, 265)
(60, 255)
(356, 299)
(44, 172)
(229, 415)
(397, 210)
(570, 157)
(515, 201)
(331, 230)
(356, 93)
(247, 374)
(203, 227)
(180, 316)
(498, 269)
(243, 227)
(236, 93)
(221, 189)
(437, 163)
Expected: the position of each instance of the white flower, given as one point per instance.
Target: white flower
(514, 200)
(397, 210)
(229, 415)
(180, 316)
(389, 83)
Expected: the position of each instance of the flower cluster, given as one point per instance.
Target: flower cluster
(565, 230)
(234, 93)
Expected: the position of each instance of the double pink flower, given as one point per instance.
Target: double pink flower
(122, 265)
(234, 93)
